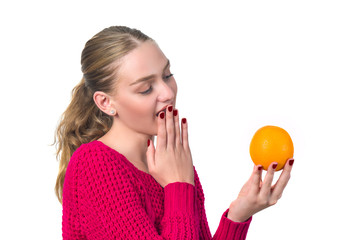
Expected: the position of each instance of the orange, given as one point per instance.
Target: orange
(271, 144)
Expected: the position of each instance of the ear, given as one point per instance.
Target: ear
(103, 102)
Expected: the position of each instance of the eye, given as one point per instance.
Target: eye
(147, 91)
(168, 76)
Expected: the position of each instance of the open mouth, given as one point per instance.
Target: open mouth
(162, 110)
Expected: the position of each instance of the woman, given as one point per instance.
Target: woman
(117, 185)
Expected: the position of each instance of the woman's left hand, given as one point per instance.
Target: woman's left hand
(257, 195)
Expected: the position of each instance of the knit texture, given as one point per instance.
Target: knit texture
(107, 197)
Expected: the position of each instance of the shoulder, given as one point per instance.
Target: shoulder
(95, 166)
(94, 148)
(96, 156)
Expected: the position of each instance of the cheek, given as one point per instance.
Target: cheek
(141, 110)
(137, 111)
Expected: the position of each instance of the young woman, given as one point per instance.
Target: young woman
(113, 183)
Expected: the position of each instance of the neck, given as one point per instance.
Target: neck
(131, 144)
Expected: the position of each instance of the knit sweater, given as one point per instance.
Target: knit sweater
(106, 197)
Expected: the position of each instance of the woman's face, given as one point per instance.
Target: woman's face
(145, 86)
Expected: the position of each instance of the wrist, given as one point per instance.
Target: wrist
(236, 217)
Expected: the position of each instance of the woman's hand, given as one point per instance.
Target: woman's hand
(171, 161)
(257, 195)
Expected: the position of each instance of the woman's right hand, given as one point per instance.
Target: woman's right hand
(171, 161)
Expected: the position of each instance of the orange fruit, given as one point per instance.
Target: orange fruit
(271, 144)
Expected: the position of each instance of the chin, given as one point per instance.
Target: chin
(151, 133)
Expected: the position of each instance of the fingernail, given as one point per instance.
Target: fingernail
(274, 165)
(291, 162)
(148, 142)
(183, 120)
(170, 108)
(260, 168)
(162, 115)
(175, 112)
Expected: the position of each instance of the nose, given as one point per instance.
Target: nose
(167, 93)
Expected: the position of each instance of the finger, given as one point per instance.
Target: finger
(252, 175)
(266, 186)
(283, 180)
(170, 128)
(161, 135)
(150, 155)
(184, 134)
(247, 185)
(256, 179)
(177, 127)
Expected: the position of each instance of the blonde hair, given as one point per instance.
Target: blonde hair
(83, 121)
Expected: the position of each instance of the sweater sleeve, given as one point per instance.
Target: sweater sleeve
(111, 204)
(227, 229)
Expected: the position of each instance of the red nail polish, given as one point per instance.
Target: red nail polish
(183, 120)
(274, 165)
(162, 115)
(148, 142)
(291, 162)
(170, 108)
(260, 168)
(175, 112)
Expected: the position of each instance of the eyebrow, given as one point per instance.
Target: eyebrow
(147, 78)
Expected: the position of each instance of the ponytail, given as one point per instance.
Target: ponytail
(82, 122)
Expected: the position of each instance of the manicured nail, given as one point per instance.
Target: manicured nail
(183, 120)
(260, 168)
(170, 108)
(274, 165)
(175, 112)
(148, 142)
(291, 162)
(162, 115)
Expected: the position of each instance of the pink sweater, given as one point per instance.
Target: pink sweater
(107, 197)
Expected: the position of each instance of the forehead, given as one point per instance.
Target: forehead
(146, 59)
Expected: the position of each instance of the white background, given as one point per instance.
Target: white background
(239, 65)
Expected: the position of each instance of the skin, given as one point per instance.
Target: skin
(257, 195)
(135, 122)
(135, 118)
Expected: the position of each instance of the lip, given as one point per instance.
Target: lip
(162, 110)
